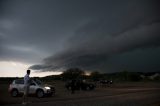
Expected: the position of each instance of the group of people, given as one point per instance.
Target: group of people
(76, 84)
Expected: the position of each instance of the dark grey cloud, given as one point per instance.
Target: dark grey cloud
(91, 52)
(88, 34)
(98, 41)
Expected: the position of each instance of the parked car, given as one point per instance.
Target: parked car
(36, 87)
(106, 83)
(80, 85)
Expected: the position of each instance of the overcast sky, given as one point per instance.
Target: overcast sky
(104, 35)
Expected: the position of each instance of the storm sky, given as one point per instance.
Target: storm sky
(103, 35)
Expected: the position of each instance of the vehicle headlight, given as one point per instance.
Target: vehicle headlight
(47, 88)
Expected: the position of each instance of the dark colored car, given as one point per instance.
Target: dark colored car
(106, 81)
(80, 85)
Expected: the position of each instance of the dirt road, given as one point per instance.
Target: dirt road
(113, 96)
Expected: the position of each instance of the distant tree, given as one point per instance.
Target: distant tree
(157, 78)
(134, 77)
(95, 75)
(123, 76)
(72, 73)
(128, 76)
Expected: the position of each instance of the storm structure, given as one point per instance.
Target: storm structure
(105, 35)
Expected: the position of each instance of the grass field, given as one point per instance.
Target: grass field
(119, 94)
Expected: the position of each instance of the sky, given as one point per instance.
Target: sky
(50, 36)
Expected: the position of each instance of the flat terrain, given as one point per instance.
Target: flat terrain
(119, 94)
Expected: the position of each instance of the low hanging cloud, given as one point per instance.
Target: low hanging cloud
(92, 45)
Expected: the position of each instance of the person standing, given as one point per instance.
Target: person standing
(26, 87)
(73, 86)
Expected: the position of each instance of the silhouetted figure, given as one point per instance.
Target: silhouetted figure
(73, 85)
(78, 84)
(26, 87)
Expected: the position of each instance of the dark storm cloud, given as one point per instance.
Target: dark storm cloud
(31, 29)
(79, 33)
(90, 52)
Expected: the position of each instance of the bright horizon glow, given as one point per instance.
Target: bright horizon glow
(87, 73)
(17, 69)
(43, 74)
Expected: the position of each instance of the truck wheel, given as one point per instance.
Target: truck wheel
(40, 93)
(14, 93)
(87, 88)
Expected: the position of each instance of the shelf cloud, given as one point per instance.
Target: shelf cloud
(101, 35)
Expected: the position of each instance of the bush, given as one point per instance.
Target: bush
(72, 73)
